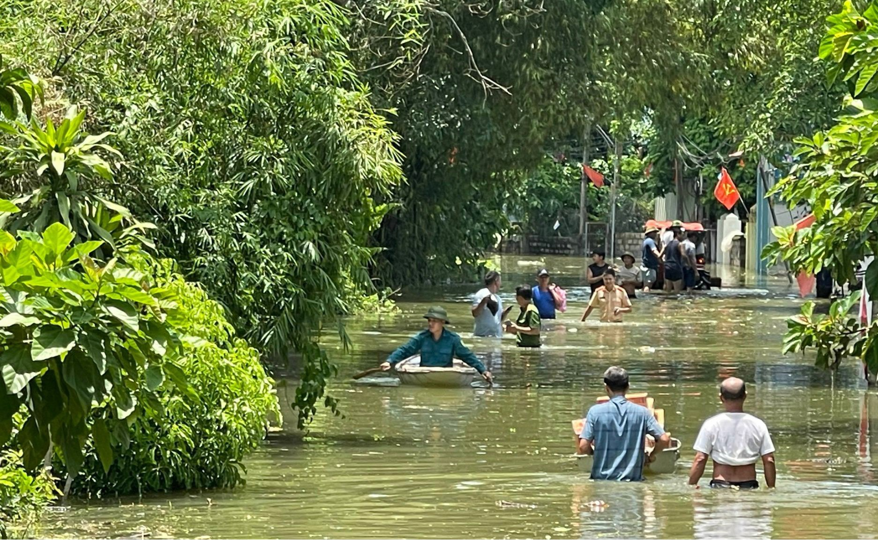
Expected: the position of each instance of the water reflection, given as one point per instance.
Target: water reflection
(730, 514)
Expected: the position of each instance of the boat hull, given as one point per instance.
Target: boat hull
(665, 462)
(459, 375)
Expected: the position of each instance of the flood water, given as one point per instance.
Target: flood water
(433, 463)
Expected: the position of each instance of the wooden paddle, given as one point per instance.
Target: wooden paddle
(370, 371)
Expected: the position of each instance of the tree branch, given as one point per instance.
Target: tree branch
(487, 83)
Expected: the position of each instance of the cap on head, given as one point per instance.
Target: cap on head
(437, 312)
(733, 389)
(616, 378)
(542, 273)
(677, 224)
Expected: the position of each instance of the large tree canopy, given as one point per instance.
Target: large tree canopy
(249, 139)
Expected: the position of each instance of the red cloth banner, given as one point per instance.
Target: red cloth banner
(726, 192)
(596, 178)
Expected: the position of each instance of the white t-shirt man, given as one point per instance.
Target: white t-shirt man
(689, 246)
(734, 439)
(488, 324)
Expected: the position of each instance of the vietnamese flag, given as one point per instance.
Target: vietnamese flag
(726, 192)
(596, 178)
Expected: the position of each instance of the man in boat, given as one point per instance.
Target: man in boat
(487, 308)
(615, 433)
(734, 440)
(437, 346)
(611, 299)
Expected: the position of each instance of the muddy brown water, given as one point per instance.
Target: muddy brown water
(433, 463)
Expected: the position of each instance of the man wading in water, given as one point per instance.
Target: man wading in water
(437, 346)
(611, 299)
(615, 433)
(734, 440)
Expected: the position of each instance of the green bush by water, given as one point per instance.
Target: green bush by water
(22, 496)
(193, 441)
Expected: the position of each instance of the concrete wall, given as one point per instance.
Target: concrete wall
(629, 241)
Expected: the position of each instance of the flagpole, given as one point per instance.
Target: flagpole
(617, 165)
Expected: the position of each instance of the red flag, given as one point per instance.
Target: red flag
(596, 178)
(806, 222)
(726, 192)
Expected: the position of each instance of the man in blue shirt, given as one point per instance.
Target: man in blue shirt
(437, 346)
(544, 296)
(615, 433)
(650, 257)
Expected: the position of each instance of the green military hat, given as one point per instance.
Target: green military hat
(437, 312)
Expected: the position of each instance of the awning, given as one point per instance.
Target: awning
(667, 225)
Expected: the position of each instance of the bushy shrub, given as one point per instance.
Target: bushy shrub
(22, 496)
(193, 441)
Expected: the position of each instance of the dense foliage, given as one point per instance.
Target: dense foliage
(838, 178)
(193, 441)
(489, 83)
(248, 139)
(22, 496)
(102, 348)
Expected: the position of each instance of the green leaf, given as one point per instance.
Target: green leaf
(57, 237)
(871, 281)
(71, 449)
(102, 443)
(18, 368)
(80, 375)
(13, 319)
(125, 402)
(34, 444)
(95, 346)
(178, 377)
(58, 159)
(123, 312)
(118, 208)
(9, 405)
(137, 295)
(82, 249)
(64, 208)
(159, 335)
(51, 341)
(154, 377)
(8, 207)
(121, 436)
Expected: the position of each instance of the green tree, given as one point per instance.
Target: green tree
(249, 139)
(838, 178)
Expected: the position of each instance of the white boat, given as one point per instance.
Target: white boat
(665, 462)
(459, 375)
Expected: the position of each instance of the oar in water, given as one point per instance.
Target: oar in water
(362, 374)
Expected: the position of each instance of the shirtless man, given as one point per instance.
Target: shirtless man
(734, 440)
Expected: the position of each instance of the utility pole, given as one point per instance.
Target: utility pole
(617, 167)
(583, 190)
